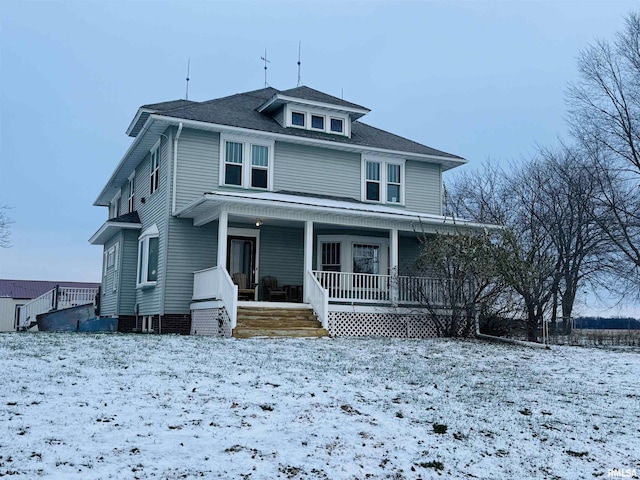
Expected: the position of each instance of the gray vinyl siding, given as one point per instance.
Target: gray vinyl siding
(408, 252)
(128, 270)
(282, 254)
(279, 116)
(192, 249)
(153, 212)
(109, 298)
(198, 155)
(316, 170)
(423, 187)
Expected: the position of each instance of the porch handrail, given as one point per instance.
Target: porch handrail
(228, 295)
(318, 298)
(215, 282)
(56, 298)
(373, 288)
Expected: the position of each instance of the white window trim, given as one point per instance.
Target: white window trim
(308, 112)
(132, 192)
(247, 143)
(155, 151)
(143, 249)
(115, 202)
(383, 161)
(346, 250)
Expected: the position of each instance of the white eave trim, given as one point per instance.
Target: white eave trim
(325, 206)
(447, 161)
(312, 103)
(135, 120)
(109, 229)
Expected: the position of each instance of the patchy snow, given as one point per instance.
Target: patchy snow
(82, 406)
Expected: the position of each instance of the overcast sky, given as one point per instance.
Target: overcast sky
(478, 79)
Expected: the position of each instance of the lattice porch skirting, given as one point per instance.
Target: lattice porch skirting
(211, 321)
(379, 324)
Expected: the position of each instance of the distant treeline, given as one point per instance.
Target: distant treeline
(607, 323)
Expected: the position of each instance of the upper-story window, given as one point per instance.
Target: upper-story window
(155, 168)
(114, 206)
(132, 191)
(337, 125)
(383, 181)
(297, 119)
(317, 119)
(317, 122)
(248, 163)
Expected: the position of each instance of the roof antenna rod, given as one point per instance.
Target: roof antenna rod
(186, 95)
(265, 67)
(299, 48)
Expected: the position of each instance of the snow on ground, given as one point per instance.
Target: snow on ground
(82, 406)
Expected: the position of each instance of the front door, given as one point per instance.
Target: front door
(242, 256)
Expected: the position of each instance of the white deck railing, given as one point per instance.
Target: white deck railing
(371, 288)
(59, 297)
(318, 297)
(215, 283)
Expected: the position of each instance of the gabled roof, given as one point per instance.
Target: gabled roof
(28, 289)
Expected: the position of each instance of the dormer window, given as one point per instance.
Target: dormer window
(297, 119)
(316, 119)
(317, 122)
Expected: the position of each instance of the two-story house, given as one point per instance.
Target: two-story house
(285, 192)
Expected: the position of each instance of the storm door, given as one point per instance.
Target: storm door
(242, 256)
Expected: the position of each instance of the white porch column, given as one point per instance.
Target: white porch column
(308, 256)
(223, 222)
(393, 263)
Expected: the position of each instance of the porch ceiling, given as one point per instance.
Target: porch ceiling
(291, 208)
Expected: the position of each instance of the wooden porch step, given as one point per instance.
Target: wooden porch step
(277, 322)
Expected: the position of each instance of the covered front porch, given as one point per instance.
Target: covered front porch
(324, 254)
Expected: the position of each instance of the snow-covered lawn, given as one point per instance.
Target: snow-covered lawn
(81, 406)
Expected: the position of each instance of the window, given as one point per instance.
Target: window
(331, 256)
(393, 183)
(383, 181)
(155, 168)
(259, 166)
(366, 258)
(233, 163)
(148, 244)
(114, 206)
(373, 181)
(297, 119)
(132, 191)
(337, 125)
(318, 119)
(317, 122)
(247, 164)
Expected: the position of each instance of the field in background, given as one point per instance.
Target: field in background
(120, 406)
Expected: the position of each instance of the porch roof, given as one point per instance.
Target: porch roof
(290, 206)
(128, 221)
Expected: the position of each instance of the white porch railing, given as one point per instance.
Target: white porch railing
(59, 297)
(371, 288)
(318, 297)
(216, 283)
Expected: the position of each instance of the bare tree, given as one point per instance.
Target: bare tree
(604, 115)
(465, 268)
(5, 232)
